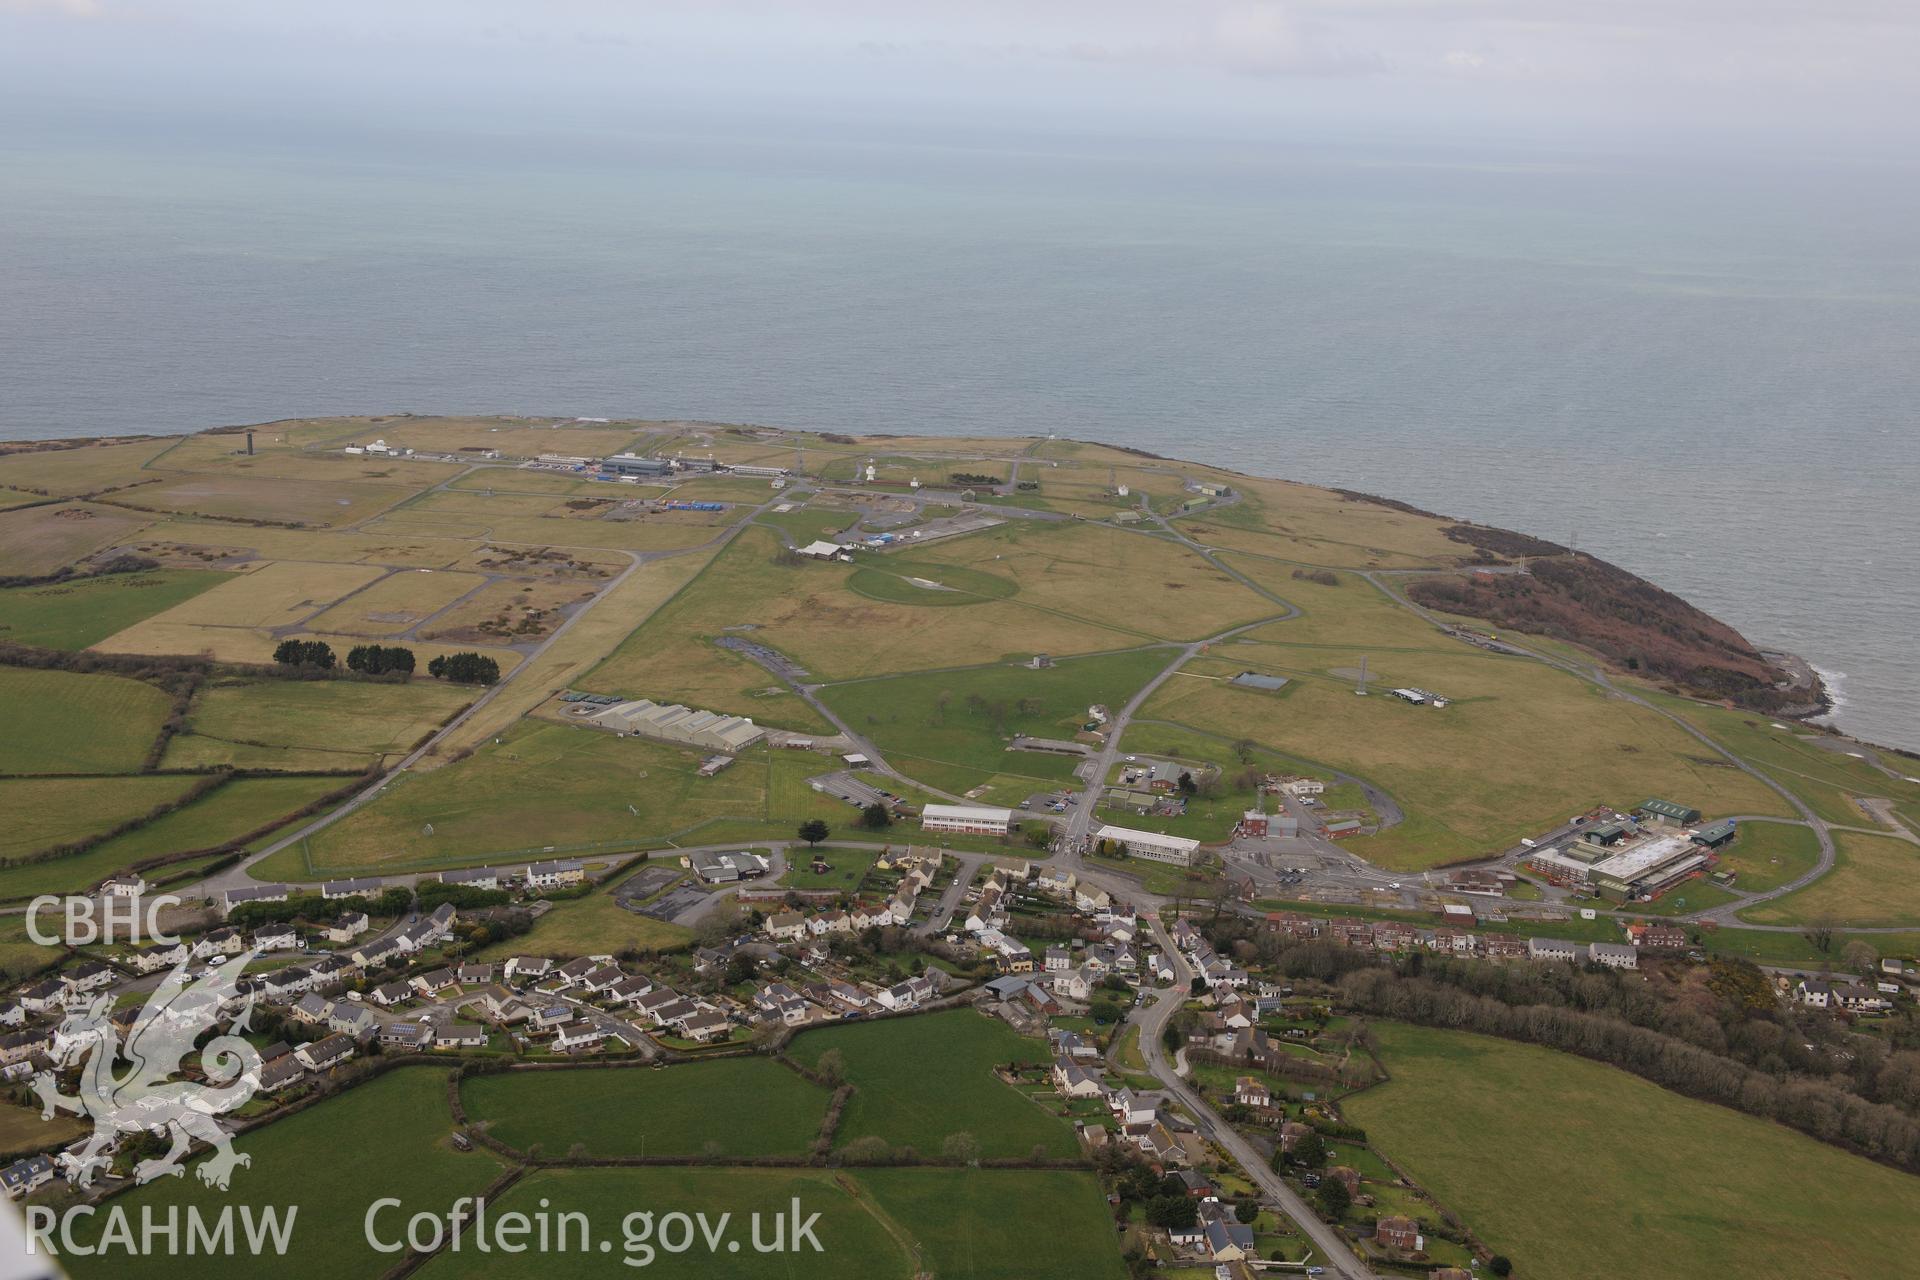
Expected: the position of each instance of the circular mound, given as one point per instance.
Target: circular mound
(901, 582)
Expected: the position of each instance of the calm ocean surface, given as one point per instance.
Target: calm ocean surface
(1710, 377)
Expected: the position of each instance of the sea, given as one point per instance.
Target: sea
(1706, 370)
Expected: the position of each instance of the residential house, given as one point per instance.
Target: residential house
(366, 887)
(578, 1037)
(351, 1020)
(1397, 1231)
(87, 976)
(311, 1010)
(460, 1035)
(1075, 1081)
(704, 1025)
(1613, 955)
(1552, 949)
(1250, 1091)
(322, 1055)
(346, 927)
(405, 1035)
(555, 875)
(23, 1177)
(279, 936)
(786, 926)
(277, 1073)
(161, 955)
(224, 941)
(522, 970)
(391, 994)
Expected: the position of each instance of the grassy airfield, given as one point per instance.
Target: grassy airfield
(571, 583)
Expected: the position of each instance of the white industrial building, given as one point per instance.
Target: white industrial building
(709, 730)
(1152, 845)
(823, 550)
(970, 819)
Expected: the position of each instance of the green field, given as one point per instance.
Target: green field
(73, 615)
(388, 1137)
(311, 724)
(1522, 746)
(43, 812)
(545, 785)
(964, 718)
(855, 1240)
(65, 722)
(1010, 1223)
(918, 1080)
(224, 814)
(1601, 1175)
(593, 925)
(890, 578)
(1875, 881)
(1805, 762)
(846, 868)
(737, 1107)
(1766, 855)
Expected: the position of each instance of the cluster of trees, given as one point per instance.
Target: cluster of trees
(317, 654)
(380, 659)
(70, 573)
(313, 907)
(965, 478)
(465, 668)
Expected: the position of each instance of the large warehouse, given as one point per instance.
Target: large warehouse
(1642, 869)
(969, 819)
(1152, 846)
(706, 729)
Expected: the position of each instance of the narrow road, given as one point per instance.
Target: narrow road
(1336, 1256)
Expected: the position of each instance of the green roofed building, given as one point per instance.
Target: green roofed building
(1715, 834)
(1679, 814)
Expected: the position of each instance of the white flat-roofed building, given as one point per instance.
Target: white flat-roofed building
(972, 819)
(1152, 845)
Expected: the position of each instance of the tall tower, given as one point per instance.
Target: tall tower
(1361, 688)
(870, 471)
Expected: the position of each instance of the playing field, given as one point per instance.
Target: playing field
(73, 615)
(65, 722)
(225, 814)
(737, 1107)
(321, 1161)
(919, 1080)
(1602, 1176)
(311, 724)
(1875, 881)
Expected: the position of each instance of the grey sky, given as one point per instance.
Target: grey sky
(1808, 72)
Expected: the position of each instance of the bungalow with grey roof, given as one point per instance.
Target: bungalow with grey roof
(325, 1054)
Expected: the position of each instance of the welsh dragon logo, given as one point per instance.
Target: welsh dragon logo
(142, 1098)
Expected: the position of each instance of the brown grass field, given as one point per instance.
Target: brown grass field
(36, 540)
(511, 610)
(398, 602)
(62, 473)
